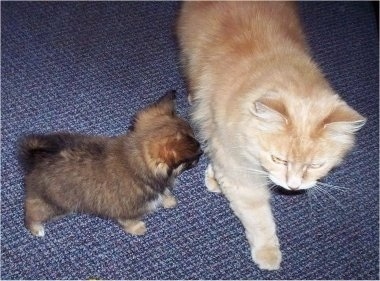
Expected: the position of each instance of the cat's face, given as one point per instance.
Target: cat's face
(298, 163)
(298, 147)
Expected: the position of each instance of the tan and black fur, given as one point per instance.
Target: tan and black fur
(121, 178)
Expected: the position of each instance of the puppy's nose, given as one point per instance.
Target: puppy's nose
(197, 156)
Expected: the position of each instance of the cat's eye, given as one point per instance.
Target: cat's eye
(315, 165)
(279, 161)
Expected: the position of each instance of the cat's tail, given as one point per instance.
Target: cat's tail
(37, 147)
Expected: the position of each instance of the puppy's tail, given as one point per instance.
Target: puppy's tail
(36, 147)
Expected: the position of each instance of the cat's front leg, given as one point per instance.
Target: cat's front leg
(210, 180)
(252, 207)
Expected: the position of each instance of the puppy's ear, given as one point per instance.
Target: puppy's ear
(166, 104)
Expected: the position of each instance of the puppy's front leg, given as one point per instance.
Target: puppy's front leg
(134, 227)
(168, 200)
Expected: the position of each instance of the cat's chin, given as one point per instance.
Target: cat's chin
(285, 186)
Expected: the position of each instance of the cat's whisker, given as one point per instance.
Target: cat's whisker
(255, 173)
(331, 186)
(272, 186)
(258, 175)
(310, 199)
(237, 147)
(244, 169)
(254, 170)
(314, 195)
(326, 192)
(261, 176)
(262, 186)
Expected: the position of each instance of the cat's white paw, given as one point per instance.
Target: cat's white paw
(210, 181)
(268, 258)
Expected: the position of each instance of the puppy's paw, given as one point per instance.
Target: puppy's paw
(267, 257)
(210, 181)
(169, 201)
(133, 227)
(37, 229)
(137, 228)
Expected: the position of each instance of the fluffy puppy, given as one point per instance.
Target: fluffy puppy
(121, 178)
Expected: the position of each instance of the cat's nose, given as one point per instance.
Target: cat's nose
(294, 183)
(293, 187)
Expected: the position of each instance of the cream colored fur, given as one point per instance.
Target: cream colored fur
(263, 106)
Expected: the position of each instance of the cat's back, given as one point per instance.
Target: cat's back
(223, 45)
(229, 27)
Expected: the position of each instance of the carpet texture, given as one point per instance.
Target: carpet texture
(89, 66)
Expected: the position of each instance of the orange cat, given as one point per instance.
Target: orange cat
(263, 106)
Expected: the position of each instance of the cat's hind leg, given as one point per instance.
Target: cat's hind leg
(210, 180)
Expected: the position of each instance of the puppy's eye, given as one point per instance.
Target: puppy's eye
(316, 165)
(279, 161)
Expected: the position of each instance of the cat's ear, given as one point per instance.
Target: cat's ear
(270, 110)
(344, 120)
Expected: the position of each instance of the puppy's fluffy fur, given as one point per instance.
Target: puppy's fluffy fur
(122, 178)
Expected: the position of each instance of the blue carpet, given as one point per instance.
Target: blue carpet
(89, 66)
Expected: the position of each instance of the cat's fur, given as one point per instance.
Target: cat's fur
(263, 107)
(121, 178)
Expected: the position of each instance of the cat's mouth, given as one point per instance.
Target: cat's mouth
(282, 191)
(284, 185)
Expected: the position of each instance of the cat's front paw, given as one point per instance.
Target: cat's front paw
(268, 257)
(210, 181)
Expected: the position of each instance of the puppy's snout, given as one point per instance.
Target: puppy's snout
(197, 156)
(199, 151)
